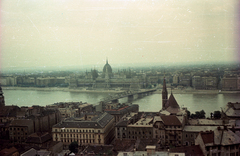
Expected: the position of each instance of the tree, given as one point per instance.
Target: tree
(188, 113)
(73, 147)
(217, 114)
(199, 115)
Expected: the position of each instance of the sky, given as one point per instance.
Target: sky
(53, 33)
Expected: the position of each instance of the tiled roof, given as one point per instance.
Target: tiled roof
(226, 137)
(208, 137)
(220, 137)
(189, 150)
(188, 128)
(232, 110)
(171, 120)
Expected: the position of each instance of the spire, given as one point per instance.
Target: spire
(107, 61)
(164, 94)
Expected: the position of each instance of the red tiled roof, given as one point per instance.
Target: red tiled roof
(189, 150)
(208, 137)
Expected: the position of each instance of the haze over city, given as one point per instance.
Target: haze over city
(72, 33)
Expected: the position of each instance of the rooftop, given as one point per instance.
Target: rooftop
(97, 122)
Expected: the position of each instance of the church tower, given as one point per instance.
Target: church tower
(2, 103)
(164, 94)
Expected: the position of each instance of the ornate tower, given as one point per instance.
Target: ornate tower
(164, 94)
(2, 102)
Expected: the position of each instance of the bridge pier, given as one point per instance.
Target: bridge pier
(115, 101)
(130, 98)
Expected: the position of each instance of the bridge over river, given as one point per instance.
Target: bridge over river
(129, 93)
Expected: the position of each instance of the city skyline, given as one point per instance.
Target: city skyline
(74, 33)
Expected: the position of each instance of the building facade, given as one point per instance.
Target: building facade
(97, 130)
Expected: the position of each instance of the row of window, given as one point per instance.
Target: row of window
(22, 129)
(80, 135)
(140, 132)
(80, 131)
(79, 141)
(172, 126)
(18, 133)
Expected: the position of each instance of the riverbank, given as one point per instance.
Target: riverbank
(159, 91)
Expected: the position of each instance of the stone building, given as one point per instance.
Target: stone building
(231, 111)
(121, 126)
(142, 129)
(173, 126)
(219, 142)
(159, 130)
(19, 129)
(190, 133)
(97, 130)
(107, 79)
(230, 82)
(210, 83)
(120, 110)
(197, 82)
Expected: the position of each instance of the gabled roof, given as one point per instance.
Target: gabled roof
(172, 102)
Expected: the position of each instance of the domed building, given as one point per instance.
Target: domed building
(107, 71)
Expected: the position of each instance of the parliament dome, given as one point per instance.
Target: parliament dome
(107, 68)
(107, 71)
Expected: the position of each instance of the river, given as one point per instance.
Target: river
(194, 102)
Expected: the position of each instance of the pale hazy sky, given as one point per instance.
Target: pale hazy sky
(36, 33)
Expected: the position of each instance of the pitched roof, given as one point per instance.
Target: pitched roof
(207, 137)
(171, 120)
(220, 137)
(172, 102)
(232, 110)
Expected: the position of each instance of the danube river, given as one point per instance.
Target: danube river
(194, 102)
